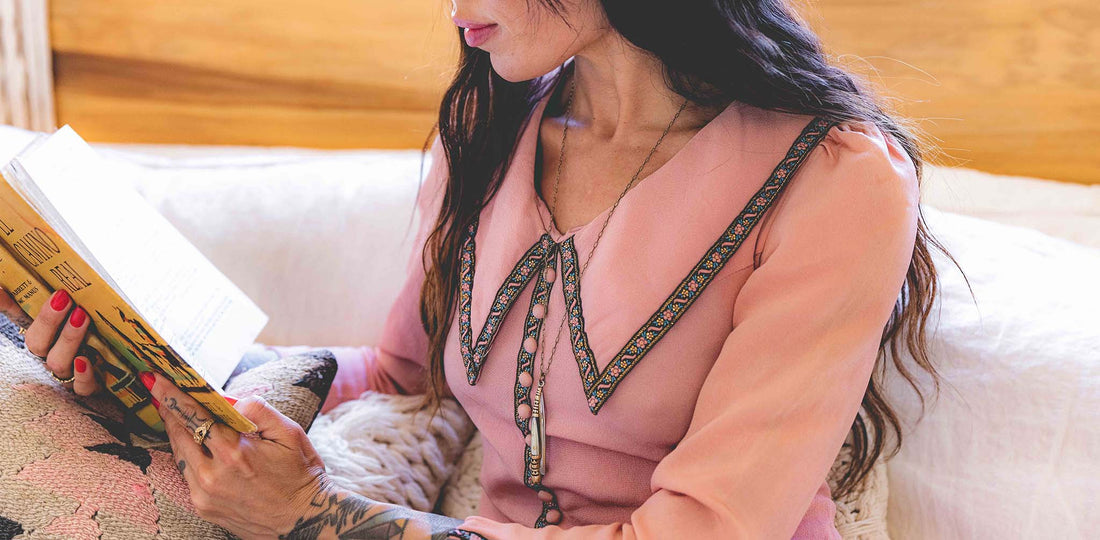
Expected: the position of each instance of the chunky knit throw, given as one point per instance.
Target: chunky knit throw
(393, 449)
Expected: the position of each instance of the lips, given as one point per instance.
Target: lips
(476, 33)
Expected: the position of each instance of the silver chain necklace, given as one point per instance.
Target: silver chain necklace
(537, 445)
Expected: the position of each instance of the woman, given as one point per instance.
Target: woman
(744, 224)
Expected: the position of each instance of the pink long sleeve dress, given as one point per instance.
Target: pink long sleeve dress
(716, 350)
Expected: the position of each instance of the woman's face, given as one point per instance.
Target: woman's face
(526, 38)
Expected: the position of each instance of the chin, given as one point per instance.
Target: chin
(517, 71)
(521, 67)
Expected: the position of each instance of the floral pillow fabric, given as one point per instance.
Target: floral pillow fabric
(69, 468)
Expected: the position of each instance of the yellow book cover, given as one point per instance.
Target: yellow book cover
(78, 224)
(118, 377)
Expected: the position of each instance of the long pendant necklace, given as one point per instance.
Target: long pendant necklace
(537, 445)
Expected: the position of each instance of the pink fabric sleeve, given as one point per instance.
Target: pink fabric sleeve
(398, 363)
(788, 382)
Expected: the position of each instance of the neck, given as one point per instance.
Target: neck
(621, 90)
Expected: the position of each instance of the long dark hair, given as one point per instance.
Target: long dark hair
(714, 52)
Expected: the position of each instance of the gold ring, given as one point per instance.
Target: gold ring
(22, 331)
(60, 380)
(202, 431)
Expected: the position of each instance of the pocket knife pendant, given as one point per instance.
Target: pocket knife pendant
(538, 433)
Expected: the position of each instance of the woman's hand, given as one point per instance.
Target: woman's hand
(57, 334)
(272, 483)
(255, 485)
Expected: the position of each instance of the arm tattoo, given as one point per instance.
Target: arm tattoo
(349, 516)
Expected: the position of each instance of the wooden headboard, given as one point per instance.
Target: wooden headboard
(1007, 86)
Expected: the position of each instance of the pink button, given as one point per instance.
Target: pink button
(527, 439)
(529, 345)
(525, 379)
(546, 496)
(553, 517)
(550, 275)
(524, 411)
(539, 311)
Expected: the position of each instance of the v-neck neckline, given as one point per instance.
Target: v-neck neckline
(531, 141)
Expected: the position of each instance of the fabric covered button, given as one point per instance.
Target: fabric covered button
(553, 517)
(527, 439)
(524, 411)
(550, 275)
(545, 495)
(529, 345)
(525, 379)
(539, 311)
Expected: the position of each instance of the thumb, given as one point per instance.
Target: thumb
(270, 423)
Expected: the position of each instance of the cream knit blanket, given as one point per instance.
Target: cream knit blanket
(391, 449)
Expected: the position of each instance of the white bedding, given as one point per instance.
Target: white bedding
(1011, 449)
(1062, 209)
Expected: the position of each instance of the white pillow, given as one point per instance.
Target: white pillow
(318, 239)
(320, 244)
(12, 140)
(1061, 209)
(1012, 447)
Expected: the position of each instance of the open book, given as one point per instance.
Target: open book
(67, 220)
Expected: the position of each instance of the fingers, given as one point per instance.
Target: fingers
(270, 423)
(198, 468)
(180, 408)
(189, 456)
(61, 356)
(41, 333)
(86, 382)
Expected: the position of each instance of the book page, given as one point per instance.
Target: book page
(193, 306)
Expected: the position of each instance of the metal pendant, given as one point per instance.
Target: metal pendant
(538, 431)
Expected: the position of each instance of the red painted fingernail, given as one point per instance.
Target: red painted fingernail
(60, 300)
(80, 364)
(78, 317)
(148, 380)
(156, 404)
(232, 400)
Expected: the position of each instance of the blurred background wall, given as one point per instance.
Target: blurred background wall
(1008, 86)
(26, 82)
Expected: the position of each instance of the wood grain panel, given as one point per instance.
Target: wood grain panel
(354, 73)
(1008, 86)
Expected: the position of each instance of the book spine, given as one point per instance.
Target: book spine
(29, 237)
(118, 377)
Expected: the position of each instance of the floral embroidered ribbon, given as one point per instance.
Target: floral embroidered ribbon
(600, 385)
(474, 354)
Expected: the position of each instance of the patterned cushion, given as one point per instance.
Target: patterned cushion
(70, 469)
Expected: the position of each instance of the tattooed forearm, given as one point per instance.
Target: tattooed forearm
(343, 515)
